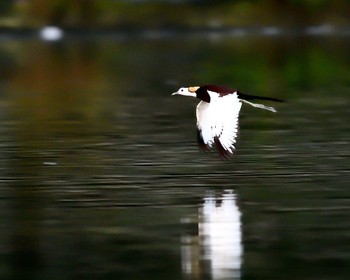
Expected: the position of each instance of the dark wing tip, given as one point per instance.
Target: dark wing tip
(224, 154)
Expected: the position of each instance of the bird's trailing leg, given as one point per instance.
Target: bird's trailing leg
(261, 106)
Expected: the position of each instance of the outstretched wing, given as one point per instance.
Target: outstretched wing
(217, 123)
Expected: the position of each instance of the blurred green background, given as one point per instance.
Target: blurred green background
(158, 13)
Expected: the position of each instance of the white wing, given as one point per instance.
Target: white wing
(217, 122)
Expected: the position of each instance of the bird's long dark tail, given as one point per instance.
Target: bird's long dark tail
(254, 97)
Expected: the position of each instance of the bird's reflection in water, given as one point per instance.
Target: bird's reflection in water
(217, 249)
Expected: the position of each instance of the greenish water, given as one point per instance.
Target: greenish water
(101, 176)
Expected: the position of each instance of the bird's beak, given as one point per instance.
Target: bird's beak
(174, 93)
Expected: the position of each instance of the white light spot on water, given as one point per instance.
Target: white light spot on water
(51, 33)
(51, 163)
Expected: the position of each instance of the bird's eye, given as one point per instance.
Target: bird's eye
(182, 89)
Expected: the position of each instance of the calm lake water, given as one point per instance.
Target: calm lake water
(101, 176)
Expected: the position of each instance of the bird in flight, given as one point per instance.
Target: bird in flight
(217, 115)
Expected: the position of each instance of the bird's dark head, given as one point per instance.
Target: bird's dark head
(187, 91)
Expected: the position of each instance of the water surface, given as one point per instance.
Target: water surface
(101, 176)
